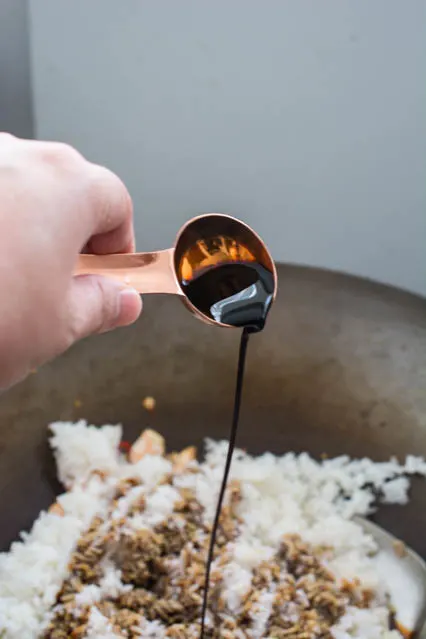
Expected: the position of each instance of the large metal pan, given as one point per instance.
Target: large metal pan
(340, 368)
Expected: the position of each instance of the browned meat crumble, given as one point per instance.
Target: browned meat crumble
(165, 567)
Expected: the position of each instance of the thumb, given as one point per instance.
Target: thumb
(97, 304)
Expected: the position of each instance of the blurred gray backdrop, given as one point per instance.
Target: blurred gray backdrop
(305, 118)
(15, 84)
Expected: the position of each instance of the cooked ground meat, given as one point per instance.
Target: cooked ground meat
(165, 568)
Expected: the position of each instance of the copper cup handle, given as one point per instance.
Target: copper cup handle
(145, 272)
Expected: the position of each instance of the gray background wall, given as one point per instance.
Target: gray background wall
(15, 84)
(305, 118)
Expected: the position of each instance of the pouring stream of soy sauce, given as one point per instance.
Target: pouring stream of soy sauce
(232, 437)
(240, 294)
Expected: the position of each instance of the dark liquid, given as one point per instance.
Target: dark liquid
(239, 294)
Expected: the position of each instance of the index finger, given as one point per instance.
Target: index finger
(111, 228)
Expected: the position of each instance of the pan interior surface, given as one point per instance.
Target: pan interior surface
(404, 573)
(339, 369)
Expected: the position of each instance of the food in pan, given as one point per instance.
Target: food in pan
(122, 552)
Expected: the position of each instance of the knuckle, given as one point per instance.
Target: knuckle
(61, 155)
(109, 195)
(106, 184)
(98, 315)
(8, 148)
(6, 137)
(108, 307)
(101, 305)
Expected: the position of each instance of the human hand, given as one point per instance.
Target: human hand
(53, 205)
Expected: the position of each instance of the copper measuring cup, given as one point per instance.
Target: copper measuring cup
(207, 240)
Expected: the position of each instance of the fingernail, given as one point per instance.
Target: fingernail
(130, 305)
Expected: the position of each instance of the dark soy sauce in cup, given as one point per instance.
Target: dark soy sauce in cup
(238, 293)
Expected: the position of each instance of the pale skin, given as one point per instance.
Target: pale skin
(55, 204)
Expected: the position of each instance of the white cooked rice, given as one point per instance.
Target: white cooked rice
(289, 494)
